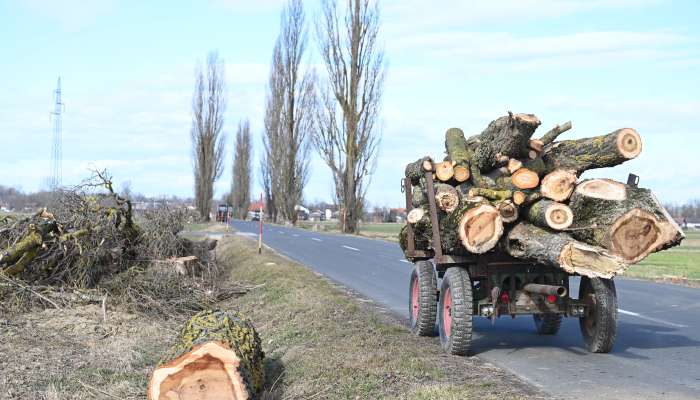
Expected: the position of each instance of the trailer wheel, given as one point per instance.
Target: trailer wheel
(422, 299)
(599, 324)
(455, 311)
(547, 324)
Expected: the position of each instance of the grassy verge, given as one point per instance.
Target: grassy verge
(677, 264)
(386, 231)
(320, 341)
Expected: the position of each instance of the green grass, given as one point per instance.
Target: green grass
(379, 230)
(679, 262)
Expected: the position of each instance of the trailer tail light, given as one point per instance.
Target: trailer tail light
(551, 298)
(505, 298)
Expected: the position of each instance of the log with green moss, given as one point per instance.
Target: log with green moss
(559, 249)
(416, 170)
(458, 153)
(628, 221)
(217, 355)
(550, 214)
(596, 152)
(507, 136)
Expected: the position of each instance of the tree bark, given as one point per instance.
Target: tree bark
(415, 171)
(553, 133)
(631, 226)
(218, 355)
(595, 152)
(506, 136)
(558, 249)
(550, 214)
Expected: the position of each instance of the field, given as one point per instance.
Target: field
(681, 262)
(321, 342)
(382, 230)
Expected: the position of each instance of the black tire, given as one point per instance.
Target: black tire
(455, 312)
(547, 324)
(599, 325)
(423, 311)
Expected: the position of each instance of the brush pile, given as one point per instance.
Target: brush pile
(505, 191)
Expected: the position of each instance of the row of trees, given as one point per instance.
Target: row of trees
(334, 112)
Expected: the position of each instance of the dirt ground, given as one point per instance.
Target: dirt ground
(321, 343)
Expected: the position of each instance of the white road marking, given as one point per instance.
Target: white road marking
(317, 239)
(281, 232)
(247, 234)
(351, 248)
(406, 261)
(660, 321)
(295, 235)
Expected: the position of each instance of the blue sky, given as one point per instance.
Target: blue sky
(127, 70)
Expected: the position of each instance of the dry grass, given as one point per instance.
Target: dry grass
(321, 343)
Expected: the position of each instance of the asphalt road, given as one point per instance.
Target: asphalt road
(656, 356)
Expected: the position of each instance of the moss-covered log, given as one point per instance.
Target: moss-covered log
(558, 249)
(595, 152)
(550, 214)
(507, 136)
(491, 194)
(218, 355)
(418, 195)
(631, 223)
(458, 153)
(416, 170)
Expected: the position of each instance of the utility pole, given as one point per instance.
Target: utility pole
(56, 140)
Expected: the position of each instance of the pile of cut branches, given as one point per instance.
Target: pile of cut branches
(502, 190)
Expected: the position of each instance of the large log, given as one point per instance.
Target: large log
(458, 153)
(628, 221)
(550, 214)
(218, 356)
(558, 249)
(507, 136)
(595, 152)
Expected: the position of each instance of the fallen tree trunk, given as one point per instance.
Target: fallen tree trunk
(507, 136)
(628, 221)
(558, 249)
(595, 152)
(550, 214)
(218, 355)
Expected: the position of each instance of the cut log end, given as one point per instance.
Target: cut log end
(480, 228)
(447, 201)
(629, 143)
(524, 178)
(519, 197)
(415, 215)
(444, 171)
(508, 211)
(537, 145)
(558, 184)
(207, 371)
(427, 165)
(638, 233)
(461, 173)
(514, 165)
(559, 216)
(602, 189)
(582, 259)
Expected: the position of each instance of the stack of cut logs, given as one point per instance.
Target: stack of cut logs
(503, 190)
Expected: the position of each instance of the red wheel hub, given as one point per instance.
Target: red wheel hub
(415, 302)
(447, 312)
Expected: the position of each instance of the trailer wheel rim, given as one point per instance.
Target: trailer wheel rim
(447, 312)
(591, 314)
(415, 295)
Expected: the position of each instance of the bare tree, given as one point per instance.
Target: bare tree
(208, 105)
(273, 154)
(289, 110)
(347, 137)
(241, 177)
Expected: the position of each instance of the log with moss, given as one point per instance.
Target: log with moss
(628, 221)
(458, 153)
(218, 355)
(550, 214)
(416, 170)
(507, 136)
(595, 152)
(558, 249)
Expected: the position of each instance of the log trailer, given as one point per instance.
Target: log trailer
(495, 284)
